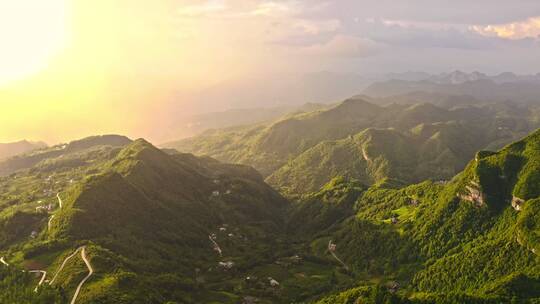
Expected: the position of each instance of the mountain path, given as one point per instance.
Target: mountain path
(59, 199)
(3, 261)
(63, 264)
(60, 203)
(43, 275)
(335, 256)
(49, 222)
(365, 155)
(90, 272)
(216, 246)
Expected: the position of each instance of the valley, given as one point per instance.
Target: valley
(130, 208)
(269, 152)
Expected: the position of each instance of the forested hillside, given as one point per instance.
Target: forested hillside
(133, 224)
(362, 140)
(471, 240)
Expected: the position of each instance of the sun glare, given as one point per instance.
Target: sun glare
(31, 33)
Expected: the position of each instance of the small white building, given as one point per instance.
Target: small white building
(331, 247)
(273, 282)
(227, 265)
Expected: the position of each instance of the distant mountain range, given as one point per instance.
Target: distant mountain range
(196, 124)
(260, 101)
(23, 146)
(42, 156)
(459, 77)
(358, 139)
(502, 87)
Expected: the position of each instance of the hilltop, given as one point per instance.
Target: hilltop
(59, 153)
(23, 146)
(473, 239)
(135, 208)
(306, 150)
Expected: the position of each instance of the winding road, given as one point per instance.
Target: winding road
(43, 275)
(60, 202)
(335, 256)
(3, 261)
(43, 272)
(90, 272)
(216, 246)
(59, 199)
(82, 249)
(63, 264)
(49, 222)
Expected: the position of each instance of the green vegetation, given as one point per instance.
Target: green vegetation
(175, 228)
(356, 139)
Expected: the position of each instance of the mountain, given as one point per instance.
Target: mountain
(484, 89)
(300, 153)
(196, 124)
(135, 224)
(447, 101)
(144, 218)
(409, 76)
(457, 77)
(59, 154)
(23, 146)
(428, 151)
(473, 239)
(267, 147)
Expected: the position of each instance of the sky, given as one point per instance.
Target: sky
(73, 68)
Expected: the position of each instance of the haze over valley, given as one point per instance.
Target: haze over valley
(231, 151)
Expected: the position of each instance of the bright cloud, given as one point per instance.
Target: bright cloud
(211, 6)
(529, 28)
(272, 9)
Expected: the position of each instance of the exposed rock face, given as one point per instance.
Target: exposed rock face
(517, 203)
(474, 194)
(413, 202)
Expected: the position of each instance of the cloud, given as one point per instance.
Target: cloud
(342, 46)
(529, 28)
(197, 10)
(272, 9)
(287, 34)
(419, 34)
(436, 11)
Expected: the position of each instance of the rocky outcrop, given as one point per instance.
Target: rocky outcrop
(517, 203)
(473, 194)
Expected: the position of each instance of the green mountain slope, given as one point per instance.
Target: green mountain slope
(471, 240)
(435, 151)
(175, 228)
(28, 160)
(267, 147)
(145, 219)
(302, 152)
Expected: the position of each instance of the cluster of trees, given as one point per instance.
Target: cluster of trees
(18, 287)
